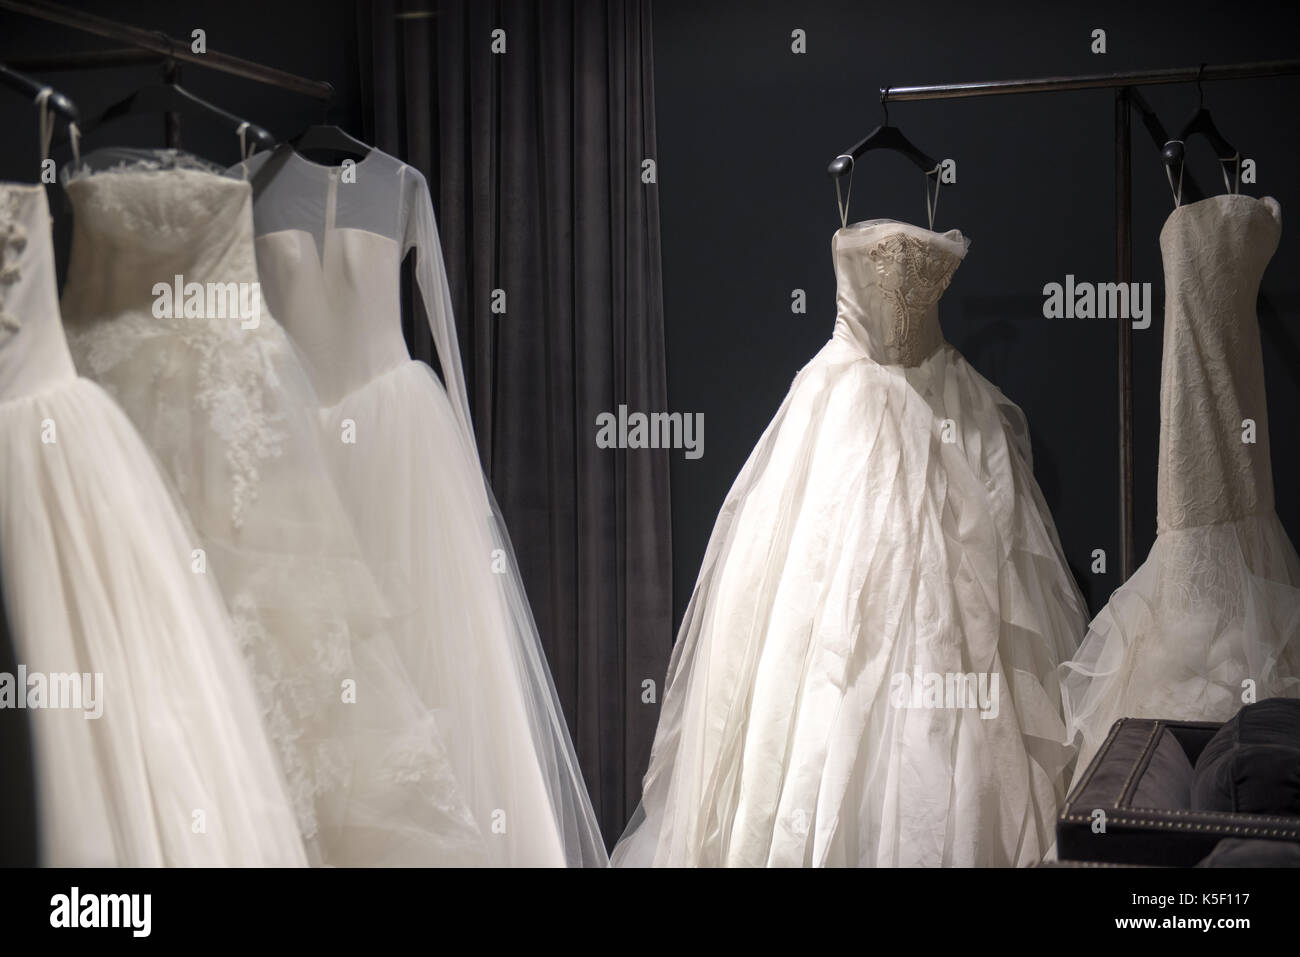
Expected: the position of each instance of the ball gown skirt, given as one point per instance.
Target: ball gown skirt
(887, 524)
(178, 769)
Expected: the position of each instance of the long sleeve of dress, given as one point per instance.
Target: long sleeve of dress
(421, 235)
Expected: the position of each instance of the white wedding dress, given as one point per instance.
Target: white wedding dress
(886, 528)
(1212, 618)
(330, 246)
(178, 769)
(228, 410)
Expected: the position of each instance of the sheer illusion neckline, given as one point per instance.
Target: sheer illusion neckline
(330, 167)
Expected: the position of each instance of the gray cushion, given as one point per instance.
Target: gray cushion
(1252, 765)
(1252, 852)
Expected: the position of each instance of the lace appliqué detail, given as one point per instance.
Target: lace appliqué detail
(232, 394)
(13, 240)
(913, 275)
(130, 160)
(1214, 463)
(296, 698)
(231, 375)
(310, 690)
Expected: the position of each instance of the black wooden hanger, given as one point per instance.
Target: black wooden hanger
(169, 97)
(1160, 137)
(333, 140)
(1201, 124)
(883, 137)
(329, 139)
(315, 139)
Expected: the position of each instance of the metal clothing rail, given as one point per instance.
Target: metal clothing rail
(1094, 81)
(163, 45)
(28, 87)
(1126, 95)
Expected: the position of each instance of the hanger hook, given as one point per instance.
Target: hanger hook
(884, 103)
(169, 58)
(1200, 91)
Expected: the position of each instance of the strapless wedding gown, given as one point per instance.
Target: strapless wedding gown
(885, 537)
(1211, 620)
(177, 769)
(225, 405)
(330, 246)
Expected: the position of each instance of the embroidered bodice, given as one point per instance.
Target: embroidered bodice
(142, 219)
(889, 277)
(33, 351)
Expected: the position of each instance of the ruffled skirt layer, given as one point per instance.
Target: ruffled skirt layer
(866, 671)
(1209, 622)
(232, 418)
(428, 522)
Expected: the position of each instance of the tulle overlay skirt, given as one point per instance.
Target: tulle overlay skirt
(232, 418)
(886, 537)
(178, 770)
(429, 523)
(1209, 622)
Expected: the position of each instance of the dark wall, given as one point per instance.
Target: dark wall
(746, 129)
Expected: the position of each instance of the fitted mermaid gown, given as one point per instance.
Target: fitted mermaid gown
(1211, 619)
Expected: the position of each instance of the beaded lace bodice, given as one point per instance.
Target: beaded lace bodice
(889, 277)
(144, 222)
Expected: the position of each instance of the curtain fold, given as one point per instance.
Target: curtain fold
(534, 157)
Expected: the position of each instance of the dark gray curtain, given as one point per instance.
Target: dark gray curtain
(534, 158)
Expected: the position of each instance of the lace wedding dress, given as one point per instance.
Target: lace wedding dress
(220, 396)
(1212, 617)
(330, 246)
(885, 538)
(176, 769)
